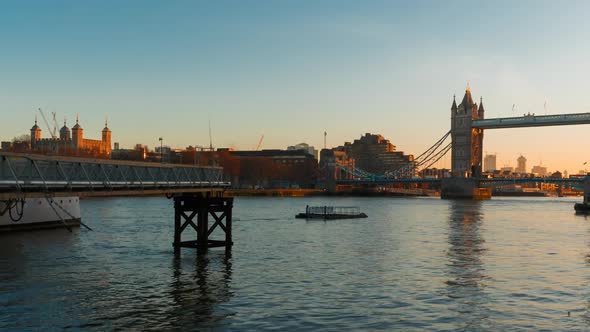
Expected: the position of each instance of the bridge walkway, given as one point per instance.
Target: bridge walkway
(31, 175)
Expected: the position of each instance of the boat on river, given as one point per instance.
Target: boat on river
(39, 213)
(331, 212)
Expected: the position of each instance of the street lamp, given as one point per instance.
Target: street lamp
(161, 151)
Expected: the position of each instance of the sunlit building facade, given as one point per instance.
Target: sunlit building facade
(539, 170)
(375, 154)
(489, 163)
(521, 164)
(305, 147)
(72, 142)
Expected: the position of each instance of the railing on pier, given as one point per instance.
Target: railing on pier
(333, 210)
(39, 173)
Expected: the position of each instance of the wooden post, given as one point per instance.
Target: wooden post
(228, 221)
(177, 230)
(187, 207)
(203, 225)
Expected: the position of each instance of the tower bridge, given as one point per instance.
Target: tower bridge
(467, 131)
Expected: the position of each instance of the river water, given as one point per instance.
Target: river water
(415, 264)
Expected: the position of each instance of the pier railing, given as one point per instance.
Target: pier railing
(333, 210)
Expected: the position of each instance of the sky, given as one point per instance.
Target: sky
(292, 70)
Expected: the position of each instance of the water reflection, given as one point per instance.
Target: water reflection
(199, 285)
(18, 249)
(466, 270)
(586, 313)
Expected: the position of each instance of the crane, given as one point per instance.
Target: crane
(210, 138)
(259, 143)
(51, 131)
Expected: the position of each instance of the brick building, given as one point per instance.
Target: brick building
(271, 169)
(375, 154)
(335, 165)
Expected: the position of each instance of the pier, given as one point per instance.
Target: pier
(199, 206)
(196, 190)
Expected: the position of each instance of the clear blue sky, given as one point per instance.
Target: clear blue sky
(293, 69)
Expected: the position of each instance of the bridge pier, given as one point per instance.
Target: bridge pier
(587, 189)
(199, 206)
(467, 188)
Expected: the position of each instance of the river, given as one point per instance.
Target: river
(415, 264)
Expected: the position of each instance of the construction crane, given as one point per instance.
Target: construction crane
(210, 138)
(259, 143)
(53, 131)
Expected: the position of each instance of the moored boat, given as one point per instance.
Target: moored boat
(39, 213)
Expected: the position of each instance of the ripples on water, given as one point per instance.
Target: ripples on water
(414, 264)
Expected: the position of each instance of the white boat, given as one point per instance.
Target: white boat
(38, 213)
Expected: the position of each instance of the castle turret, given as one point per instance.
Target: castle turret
(64, 132)
(467, 102)
(480, 111)
(454, 106)
(77, 135)
(106, 139)
(35, 134)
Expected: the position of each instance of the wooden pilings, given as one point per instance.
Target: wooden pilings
(191, 207)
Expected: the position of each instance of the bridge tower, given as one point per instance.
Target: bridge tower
(467, 142)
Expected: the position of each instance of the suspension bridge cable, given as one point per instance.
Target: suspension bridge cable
(433, 152)
(435, 145)
(441, 154)
(448, 146)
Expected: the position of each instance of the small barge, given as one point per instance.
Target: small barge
(331, 212)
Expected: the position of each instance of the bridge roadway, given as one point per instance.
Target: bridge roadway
(31, 175)
(484, 182)
(531, 120)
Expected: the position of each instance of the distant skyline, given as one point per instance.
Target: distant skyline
(290, 70)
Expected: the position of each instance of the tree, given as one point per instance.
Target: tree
(24, 138)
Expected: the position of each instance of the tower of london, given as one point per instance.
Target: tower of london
(72, 142)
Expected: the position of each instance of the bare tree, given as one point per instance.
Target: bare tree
(24, 138)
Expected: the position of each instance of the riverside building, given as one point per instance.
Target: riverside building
(375, 154)
(72, 142)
